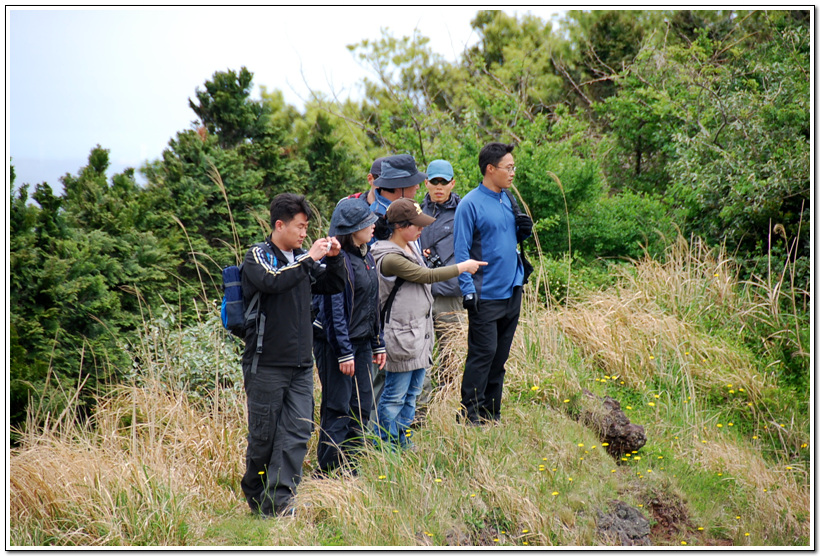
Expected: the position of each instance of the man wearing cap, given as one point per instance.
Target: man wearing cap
(370, 195)
(487, 228)
(399, 178)
(436, 242)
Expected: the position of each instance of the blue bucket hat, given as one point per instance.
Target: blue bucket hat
(350, 216)
(399, 171)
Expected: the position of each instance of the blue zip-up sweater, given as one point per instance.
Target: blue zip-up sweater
(485, 231)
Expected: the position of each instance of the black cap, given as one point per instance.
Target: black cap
(399, 171)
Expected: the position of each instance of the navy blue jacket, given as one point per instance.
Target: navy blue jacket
(335, 313)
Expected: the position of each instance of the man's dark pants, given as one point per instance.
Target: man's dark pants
(346, 402)
(280, 420)
(489, 338)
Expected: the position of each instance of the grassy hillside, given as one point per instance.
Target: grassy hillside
(727, 458)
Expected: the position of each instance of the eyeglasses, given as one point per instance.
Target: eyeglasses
(508, 169)
(439, 181)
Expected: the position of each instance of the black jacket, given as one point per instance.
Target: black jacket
(438, 238)
(286, 291)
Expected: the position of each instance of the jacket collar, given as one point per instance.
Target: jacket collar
(278, 252)
(434, 208)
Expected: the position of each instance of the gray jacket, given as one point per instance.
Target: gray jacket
(438, 238)
(408, 335)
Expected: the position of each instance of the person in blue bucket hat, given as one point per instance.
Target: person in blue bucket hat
(347, 339)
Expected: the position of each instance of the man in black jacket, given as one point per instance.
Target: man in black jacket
(278, 358)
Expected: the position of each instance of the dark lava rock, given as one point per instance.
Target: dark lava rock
(623, 526)
(604, 415)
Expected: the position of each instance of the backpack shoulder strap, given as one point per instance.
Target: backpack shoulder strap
(388, 305)
(253, 309)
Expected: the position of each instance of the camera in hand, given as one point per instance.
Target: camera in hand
(434, 261)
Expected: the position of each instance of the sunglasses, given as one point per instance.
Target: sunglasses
(439, 181)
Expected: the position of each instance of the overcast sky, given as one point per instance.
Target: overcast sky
(122, 77)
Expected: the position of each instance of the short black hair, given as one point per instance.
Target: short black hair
(492, 153)
(286, 206)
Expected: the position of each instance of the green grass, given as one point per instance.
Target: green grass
(727, 458)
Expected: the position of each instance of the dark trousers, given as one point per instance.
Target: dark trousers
(346, 403)
(280, 420)
(489, 338)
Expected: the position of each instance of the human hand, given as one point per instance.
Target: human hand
(380, 359)
(348, 368)
(470, 302)
(319, 248)
(335, 247)
(470, 265)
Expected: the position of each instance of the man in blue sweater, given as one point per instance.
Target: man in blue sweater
(487, 228)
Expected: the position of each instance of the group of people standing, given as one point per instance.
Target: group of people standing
(363, 301)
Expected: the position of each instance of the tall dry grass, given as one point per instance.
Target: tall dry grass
(155, 466)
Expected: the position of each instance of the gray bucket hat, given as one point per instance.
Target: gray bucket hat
(399, 171)
(350, 216)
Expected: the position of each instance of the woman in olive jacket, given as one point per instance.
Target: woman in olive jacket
(405, 301)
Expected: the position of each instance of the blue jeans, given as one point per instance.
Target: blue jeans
(397, 405)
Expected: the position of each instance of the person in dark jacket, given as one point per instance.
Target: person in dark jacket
(347, 339)
(436, 242)
(278, 360)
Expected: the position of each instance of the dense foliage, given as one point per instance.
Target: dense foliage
(629, 126)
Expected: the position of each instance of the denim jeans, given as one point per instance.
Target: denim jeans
(397, 405)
